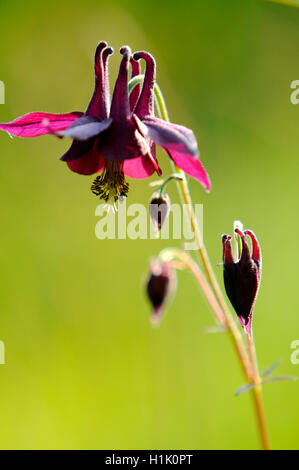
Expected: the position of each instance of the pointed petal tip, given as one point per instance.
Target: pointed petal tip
(207, 184)
(246, 324)
(155, 318)
(243, 324)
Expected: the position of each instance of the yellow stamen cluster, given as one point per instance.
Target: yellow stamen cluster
(111, 184)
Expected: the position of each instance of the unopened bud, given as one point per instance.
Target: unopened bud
(159, 208)
(160, 287)
(242, 276)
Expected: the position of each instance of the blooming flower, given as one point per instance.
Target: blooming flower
(242, 277)
(117, 140)
(160, 287)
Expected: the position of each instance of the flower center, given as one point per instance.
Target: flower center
(111, 184)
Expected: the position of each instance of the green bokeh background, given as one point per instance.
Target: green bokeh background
(84, 369)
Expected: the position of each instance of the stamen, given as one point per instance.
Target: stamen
(111, 184)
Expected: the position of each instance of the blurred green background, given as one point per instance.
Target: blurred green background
(84, 369)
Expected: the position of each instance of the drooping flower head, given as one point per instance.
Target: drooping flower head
(159, 208)
(117, 139)
(160, 287)
(242, 277)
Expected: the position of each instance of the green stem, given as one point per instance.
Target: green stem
(257, 394)
(250, 370)
(170, 178)
(184, 192)
(210, 285)
(169, 254)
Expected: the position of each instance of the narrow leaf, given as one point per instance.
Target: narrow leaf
(271, 368)
(280, 378)
(214, 329)
(244, 389)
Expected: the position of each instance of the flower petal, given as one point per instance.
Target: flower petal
(256, 252)
(91, 162)
(100, 102)
(86, 127)
(36, 124)
(120, 106)
(139, 168)
(180, 143)
(134, 95)
(145, 105)
(77, 150)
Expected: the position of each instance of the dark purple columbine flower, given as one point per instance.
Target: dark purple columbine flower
(160, 287)
(242, 277)
(118, 139)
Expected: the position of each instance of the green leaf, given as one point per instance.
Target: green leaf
(280, 378)
(271, 369)
(244, 389)
(214, 329)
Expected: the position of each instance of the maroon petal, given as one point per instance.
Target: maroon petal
(36, 124)
(180, 143)
(120, 107)
(145, 105)
(91, 162)
(139, 168)
(99, 103)
(77, 149)
(227, 250)
(256, 252)
(241, 278)
(245, 255)
(134, 95)
(86, 127)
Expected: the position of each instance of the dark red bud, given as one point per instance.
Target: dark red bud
(159, 208)
(242, 277)
(160, 286)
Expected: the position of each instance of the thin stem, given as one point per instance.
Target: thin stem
(257, 394)
(170, 178)
(203, 255)
(176, 254)
(251, 370)
(210, 285)
(210, 296)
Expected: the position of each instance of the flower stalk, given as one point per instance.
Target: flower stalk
(210, 287)
(257, 394)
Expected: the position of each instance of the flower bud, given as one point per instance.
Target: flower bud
(242, 277)
(160, 287)
(159, 208)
